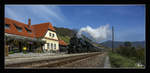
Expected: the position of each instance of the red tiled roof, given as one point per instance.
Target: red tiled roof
(61, 42)
(51, 27)
(38, 30)
(41, 29)
(12, 29)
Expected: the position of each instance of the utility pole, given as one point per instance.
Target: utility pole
(112, 39)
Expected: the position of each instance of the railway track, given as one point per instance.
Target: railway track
(57, 62)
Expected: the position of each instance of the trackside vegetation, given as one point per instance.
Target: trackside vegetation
(120, 61)
(127, 56)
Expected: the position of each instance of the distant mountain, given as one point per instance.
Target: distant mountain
(118, 43)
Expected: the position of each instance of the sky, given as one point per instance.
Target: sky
(128, 20)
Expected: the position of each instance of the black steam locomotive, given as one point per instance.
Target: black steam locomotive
(81, 45)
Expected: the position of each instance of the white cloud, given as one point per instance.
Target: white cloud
(98, 34)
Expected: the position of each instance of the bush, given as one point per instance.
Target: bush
(120, 61)
(24, 52)
(140, 56)
(11, 52)
(136, 54)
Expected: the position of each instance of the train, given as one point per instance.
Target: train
(81, 45)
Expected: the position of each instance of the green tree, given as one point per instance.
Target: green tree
(127, 44)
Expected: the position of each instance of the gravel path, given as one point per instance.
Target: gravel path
(107, 62)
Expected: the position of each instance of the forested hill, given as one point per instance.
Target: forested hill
(64, 33)
(118, 43)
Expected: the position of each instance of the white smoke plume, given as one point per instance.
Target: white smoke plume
(98, 34)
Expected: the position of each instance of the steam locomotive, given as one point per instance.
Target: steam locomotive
(81, 44)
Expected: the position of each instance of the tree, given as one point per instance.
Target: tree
(127, 44)
(118, 50)
(127, 50)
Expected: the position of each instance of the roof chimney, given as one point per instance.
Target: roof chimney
(29, 22)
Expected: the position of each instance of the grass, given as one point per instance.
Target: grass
(118, 61)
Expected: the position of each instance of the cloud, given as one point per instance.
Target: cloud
(43, 12)
(98, 34)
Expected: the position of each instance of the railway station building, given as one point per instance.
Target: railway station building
(31, 38)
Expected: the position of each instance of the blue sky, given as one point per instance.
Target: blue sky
(128, 20)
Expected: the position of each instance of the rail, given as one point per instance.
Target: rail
(56, 62)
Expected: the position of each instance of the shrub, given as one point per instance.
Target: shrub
(120, 61)
(136, 54)
(25, 52)
(11, 52)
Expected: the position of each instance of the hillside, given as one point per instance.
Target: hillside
(118, 43)
(64, 33)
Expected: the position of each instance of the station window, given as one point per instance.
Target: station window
(7, 26)
(51, 45)
(53, 35)
(48, 45)
(54, 46)
(18, 28)
(49, 34)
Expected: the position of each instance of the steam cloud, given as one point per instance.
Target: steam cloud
(98, 34)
